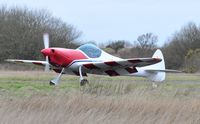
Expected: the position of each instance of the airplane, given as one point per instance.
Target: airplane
(89, 59)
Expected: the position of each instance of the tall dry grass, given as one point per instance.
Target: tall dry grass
(76, 107)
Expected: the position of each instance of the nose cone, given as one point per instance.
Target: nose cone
(46, 52)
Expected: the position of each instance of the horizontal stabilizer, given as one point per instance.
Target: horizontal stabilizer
(166, 70)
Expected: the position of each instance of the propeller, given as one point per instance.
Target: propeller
(46, 45)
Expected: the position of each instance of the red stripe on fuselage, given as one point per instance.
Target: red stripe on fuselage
(131, 69)
(91, 66)
(134, 61)
(112, 73)
(112, 63)
(155, 60)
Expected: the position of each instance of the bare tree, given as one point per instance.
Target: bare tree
(146, 44)
(147, 41)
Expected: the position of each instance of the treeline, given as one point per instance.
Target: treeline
(21, 32)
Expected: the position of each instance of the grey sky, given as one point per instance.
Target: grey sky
(104, 20)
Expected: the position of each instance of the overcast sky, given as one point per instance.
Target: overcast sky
(104, 20)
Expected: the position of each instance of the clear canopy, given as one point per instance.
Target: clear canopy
(90, 50)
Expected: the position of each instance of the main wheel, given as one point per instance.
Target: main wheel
(83, 82)
(51, 83)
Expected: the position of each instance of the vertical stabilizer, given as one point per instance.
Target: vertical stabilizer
(156, 71)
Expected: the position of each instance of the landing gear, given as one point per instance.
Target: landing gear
(51, 83)
(82, 80)
(56, 80)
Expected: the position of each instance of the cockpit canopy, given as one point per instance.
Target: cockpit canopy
(90, 50)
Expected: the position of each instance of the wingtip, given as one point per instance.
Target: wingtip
(8, 60)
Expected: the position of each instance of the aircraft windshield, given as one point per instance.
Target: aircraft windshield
(90, 50)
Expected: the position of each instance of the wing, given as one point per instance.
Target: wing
(115, 68)
(42, 63)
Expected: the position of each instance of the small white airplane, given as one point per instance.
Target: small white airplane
(89, 59)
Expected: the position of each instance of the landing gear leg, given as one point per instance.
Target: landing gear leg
(82, 80)
(56, 80)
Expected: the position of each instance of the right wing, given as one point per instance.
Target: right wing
(41, 63)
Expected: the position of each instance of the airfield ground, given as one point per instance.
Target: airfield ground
(26, 97)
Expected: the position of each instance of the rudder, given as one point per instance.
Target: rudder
(155, 72)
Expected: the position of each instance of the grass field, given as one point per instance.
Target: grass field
(26, 97)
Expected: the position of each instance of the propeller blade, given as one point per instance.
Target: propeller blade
(47, 65)
(46, 45)
(46, 40)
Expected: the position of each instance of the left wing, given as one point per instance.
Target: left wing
(42, 63)
(118, 67)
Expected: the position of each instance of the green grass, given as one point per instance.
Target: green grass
(29, 83)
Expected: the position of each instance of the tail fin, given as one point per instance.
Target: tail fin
(156, 72)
